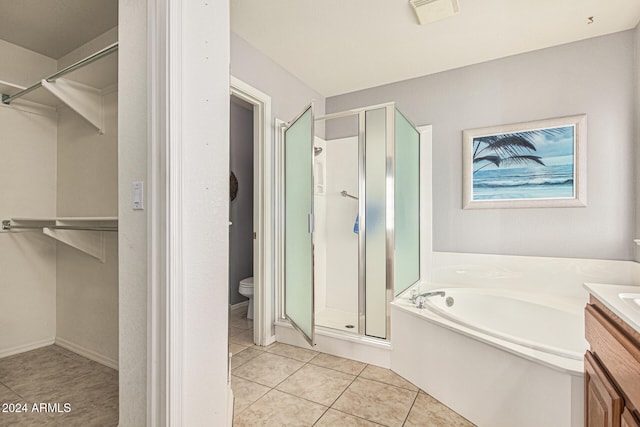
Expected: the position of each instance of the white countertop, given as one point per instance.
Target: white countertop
(609, 295)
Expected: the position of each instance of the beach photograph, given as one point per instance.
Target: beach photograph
(527, 165)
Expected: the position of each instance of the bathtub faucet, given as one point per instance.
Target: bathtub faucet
(432, 294)
(420, 299)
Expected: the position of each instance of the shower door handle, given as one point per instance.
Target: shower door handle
(311, 224)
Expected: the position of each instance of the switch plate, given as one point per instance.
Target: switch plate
(138, 195)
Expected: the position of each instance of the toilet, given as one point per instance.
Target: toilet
(246, 289)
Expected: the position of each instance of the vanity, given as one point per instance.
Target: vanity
(612, 363)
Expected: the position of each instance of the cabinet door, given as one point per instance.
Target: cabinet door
(628, 420)
(603, 404)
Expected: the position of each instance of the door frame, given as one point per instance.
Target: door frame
(263, 208)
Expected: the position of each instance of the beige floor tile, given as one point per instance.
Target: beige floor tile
(243, 357)
(8, 396)
(233, 331)
(235, 348)
(279, 409)
(238, 313)
(293, 352)
(386, 376)
(428, 412)
(268, 369)
(245, 393)
(244, 338)
(55, 375)
(338, 363)
(264, 347)
(242, 323)
(320, 385)
(28, 419)
(333, 418)
(377, 402)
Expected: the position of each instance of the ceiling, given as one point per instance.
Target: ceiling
(340, 46)
(55, 27)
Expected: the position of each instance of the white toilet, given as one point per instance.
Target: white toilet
(246, 289)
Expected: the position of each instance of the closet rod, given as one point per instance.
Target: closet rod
(6, 99)
(7, 226)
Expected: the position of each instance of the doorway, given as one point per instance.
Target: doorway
(259, 103)
(241, 219)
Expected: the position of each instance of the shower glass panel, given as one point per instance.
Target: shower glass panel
(407, 204)
(375, 223)
(351, 229)
(298, 252)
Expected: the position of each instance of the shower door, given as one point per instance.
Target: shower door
(298, 224)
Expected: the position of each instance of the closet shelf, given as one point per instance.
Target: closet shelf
(81, 90)
(86, 234)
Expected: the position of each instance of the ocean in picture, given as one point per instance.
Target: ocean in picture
(534, 164)
(553, 181)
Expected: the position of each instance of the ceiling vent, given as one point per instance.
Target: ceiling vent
(429, 11)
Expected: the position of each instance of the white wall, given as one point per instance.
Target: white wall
(320, 226)
(636, 63)
(594, 76)
(204, 139)
(133, 143)
(289, 95)
(25, 67)
(342, 242)
(87, 289)
(28, 260)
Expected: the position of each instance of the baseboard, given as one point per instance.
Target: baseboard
(89, 354)
(26, 347)
(230, 399)
(239, 305)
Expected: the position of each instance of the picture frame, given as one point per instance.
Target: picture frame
(537, 164)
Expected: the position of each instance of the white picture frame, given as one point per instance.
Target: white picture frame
(537, 164)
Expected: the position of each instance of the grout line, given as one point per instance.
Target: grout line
(411, 408)
(386, 383)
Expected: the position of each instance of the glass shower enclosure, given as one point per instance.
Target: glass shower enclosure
(350, 235)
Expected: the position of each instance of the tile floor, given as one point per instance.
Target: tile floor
(54, 375)
(282, 385)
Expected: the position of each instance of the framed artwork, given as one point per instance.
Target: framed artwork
(526, 165)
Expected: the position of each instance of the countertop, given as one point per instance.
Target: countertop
(609, 295)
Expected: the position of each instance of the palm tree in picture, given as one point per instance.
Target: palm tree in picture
(508, 149)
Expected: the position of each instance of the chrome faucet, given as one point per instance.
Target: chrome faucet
(432, 294)
(420, 299)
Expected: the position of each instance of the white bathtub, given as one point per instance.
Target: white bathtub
(498, 357)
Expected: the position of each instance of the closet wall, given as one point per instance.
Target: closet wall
(87, 186)
(27, 189)
(65, 168)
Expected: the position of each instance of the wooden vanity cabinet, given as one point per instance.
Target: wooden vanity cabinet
(602, 402)
(612, 369)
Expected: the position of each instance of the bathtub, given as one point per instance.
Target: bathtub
(498, 357)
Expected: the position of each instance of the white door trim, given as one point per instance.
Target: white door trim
(165, 316)
(187, 377)
(263, 218)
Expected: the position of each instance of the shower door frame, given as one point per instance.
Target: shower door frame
(390, 108)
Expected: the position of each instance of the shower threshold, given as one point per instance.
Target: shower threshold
(337, 319)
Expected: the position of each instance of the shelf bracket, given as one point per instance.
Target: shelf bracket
(84, 100)
(90, 242)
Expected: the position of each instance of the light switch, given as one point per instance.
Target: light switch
(138, 195)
